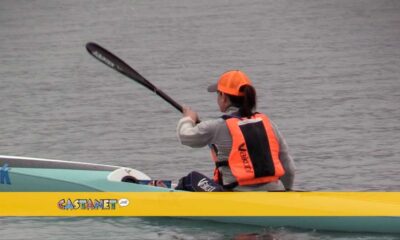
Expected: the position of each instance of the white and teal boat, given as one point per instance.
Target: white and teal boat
(377, 212)
(45, 175)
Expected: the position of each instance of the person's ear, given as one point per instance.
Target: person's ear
(226, 101)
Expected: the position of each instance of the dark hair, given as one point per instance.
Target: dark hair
(246, 103)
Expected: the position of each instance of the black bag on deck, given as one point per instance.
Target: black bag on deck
(197, 182)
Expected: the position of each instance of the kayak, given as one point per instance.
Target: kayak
(45, 175)
(42, 182)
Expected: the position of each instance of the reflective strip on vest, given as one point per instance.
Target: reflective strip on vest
(254, 157)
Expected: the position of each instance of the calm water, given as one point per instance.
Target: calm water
(327, 72)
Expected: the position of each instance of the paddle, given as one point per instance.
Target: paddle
(117, 64)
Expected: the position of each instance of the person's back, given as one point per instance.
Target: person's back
(249, 152)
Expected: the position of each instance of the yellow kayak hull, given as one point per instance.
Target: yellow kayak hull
(333, 211)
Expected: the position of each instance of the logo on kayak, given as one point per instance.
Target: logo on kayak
(123, 202)
(92, 204)
(4, 177)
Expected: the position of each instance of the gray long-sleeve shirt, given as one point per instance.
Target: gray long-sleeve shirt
(216, 132)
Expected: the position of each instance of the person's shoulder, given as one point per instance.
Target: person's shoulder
(212, 122)
(273, 124)
(211, 125)
(268, 117)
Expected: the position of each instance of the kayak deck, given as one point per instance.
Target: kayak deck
(44, 175)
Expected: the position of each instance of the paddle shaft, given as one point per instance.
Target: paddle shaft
(117, 64)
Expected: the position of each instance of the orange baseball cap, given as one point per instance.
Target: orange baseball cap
(230, 83)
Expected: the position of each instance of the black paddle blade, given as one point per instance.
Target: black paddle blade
(117, 64)
(109, 59)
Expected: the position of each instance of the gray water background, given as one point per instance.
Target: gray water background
(326, 71)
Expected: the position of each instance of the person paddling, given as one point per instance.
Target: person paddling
(249, 152)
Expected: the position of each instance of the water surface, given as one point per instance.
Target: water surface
(327, 72)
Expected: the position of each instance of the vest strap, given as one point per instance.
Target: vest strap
(221, 164)
(230, 186)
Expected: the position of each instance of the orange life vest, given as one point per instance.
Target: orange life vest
(254, 157)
